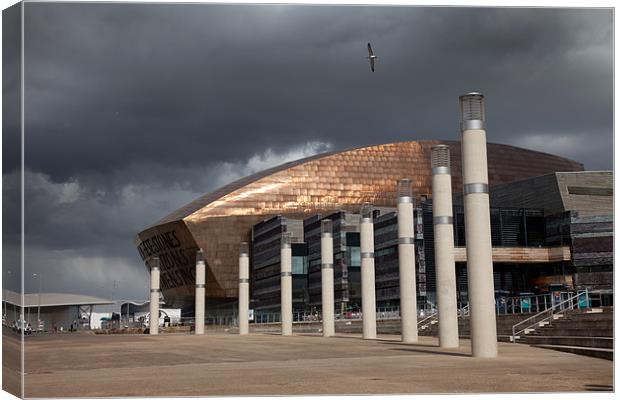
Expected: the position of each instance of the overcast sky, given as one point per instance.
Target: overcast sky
(133, 110)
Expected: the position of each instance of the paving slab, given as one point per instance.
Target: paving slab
(219, 364)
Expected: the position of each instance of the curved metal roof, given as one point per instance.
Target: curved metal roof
(500, 157)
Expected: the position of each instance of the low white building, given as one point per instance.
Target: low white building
(53, 310)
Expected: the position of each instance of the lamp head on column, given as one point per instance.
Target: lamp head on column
(200, 256)
(440, 159)
(285, 241)
(155, 263)
(244, 249)
(472, 111)
(326, 226)
(366, 212)
(404, 192)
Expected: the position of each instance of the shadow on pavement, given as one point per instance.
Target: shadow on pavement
(599, 388)
(432, 352)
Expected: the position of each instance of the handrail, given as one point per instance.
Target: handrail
(463, 311)
(549, 310)
(433, 315)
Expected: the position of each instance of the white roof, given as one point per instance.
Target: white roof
(51, 299)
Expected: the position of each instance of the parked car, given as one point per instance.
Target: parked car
(20, 325)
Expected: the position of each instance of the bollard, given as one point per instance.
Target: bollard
(286, 282)
(244, 288)
(478, 226)
(154, 303)
(199, 312)
(444, 247)
(406, 263)
(327, 278)
(367, 249)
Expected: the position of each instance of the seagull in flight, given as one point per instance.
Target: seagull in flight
(371, 57)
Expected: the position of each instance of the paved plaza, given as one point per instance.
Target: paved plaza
(267, 364)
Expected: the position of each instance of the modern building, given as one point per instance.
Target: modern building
(578, 209)
(322, 184)
(387, 284)
(532, 252)
(347, 279)
(265, 266)
(56, 311)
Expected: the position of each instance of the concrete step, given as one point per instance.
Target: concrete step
(599, 316)
(607, 354)
(552, 330)
(579, 341)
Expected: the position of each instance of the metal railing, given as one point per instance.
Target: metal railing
(383, 313)
(428, 320)
(525, 304)
(529, 303)
(463, 310)
(579, 300)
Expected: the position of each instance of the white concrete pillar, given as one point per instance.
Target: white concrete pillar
(406, 263)
(199, 313)
(327, 278)
(478, 227)
(286, 282)
(444, 247)
(154, 303)
(244, 288)
(367, 250)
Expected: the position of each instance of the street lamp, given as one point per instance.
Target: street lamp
(40, 276)
(8, 271)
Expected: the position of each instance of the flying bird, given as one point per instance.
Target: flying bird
(371, 57)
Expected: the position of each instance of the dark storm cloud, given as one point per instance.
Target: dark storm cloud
(133, 110)
(108, 85)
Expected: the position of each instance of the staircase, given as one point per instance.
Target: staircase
(586, 332)
(426, 323)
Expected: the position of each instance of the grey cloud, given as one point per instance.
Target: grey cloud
(82, 224)
(140, 108)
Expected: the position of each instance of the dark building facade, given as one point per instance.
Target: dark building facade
(578, 209)
(345, 234)
(534, 249)
(265, 266)
(387, 283)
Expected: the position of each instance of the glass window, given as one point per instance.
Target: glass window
(300, 265)
(353, 257)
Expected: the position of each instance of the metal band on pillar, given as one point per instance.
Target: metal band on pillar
(443, 220)
(470, 188)
(441, 170)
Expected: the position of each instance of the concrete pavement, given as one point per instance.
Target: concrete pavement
(186, 365)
